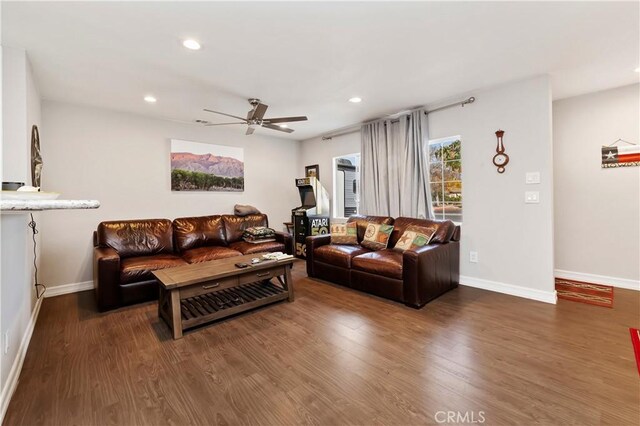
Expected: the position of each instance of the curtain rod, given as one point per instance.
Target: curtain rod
(467, 101)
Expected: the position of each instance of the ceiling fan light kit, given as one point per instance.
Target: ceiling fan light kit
(255, 118)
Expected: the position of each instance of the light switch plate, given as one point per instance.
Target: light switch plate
(532, 197)
(532, 178)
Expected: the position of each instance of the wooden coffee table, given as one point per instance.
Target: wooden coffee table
(200, 293)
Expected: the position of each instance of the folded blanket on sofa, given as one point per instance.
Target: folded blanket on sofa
(242, 210)
(258, 233)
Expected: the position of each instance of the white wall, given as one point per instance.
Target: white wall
(317, 151)
(15, 163)
(123, 161)
(514, 240)
(20, 109)
(597, 212)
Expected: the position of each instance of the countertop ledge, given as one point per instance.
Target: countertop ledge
(37, 205)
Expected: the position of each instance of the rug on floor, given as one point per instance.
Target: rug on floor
(635, 342)
(592, 294)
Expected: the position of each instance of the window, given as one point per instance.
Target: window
(445, 169)
(346, 185)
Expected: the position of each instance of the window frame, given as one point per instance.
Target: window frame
(440, 141)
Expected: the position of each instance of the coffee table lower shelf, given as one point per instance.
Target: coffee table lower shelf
(208, 307)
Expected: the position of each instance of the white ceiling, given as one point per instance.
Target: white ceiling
(310, 57)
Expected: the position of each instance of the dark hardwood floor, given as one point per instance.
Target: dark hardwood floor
(335, 356)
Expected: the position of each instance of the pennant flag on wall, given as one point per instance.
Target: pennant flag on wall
(620, 156)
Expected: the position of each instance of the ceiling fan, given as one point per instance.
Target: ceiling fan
(255, 118)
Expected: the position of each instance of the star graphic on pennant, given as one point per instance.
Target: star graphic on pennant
(610, 155)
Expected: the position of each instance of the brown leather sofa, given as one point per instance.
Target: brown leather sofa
(126, 252)
(413, 277)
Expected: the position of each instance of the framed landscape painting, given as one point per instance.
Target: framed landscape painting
(199, 166)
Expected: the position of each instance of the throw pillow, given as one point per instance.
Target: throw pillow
(344, 233)
(376, 236)
(414, 237)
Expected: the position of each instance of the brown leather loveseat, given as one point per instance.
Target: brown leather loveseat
(126, 252)
(413, 277)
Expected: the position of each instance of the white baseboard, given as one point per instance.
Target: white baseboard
(598, 279)
(14, 373)
(513, 290)
(68, 288)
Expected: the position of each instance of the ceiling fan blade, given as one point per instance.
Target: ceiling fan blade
(285, 119)
(250, 130)
(224, 124)
(278, 128)
(223, 113)
(259, 112)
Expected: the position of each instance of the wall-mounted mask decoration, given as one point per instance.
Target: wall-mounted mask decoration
(36, 157)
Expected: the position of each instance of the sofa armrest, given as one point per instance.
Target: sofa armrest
(430, 271)
(285, 238)
(106, 277)
(313, 243)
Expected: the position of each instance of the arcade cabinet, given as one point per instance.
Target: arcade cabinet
(312, 217)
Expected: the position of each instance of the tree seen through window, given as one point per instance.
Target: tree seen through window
(445, 170)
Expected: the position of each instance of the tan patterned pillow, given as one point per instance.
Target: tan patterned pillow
(344, 233)
(414, 237)
(376, 236)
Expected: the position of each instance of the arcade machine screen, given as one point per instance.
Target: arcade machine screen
(308, 199)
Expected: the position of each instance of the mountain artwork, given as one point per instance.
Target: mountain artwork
(199, 166)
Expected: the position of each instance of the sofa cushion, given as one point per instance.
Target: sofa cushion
(338, 255)
(344, 233)
(134, 269)
(376, 237)
(444, 229)
(193, 232)
(387, 262)
(362, 222)
(414, 237)
(251, 248)
(456, 233)
(137, 237)
(236, 225)
(203, 254)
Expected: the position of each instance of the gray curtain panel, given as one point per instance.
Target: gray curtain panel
(394, 167)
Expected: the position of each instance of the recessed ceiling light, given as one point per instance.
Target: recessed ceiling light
(637, 69)
(150, 99)
(283, 125)
(355, 100)
(191, 44)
